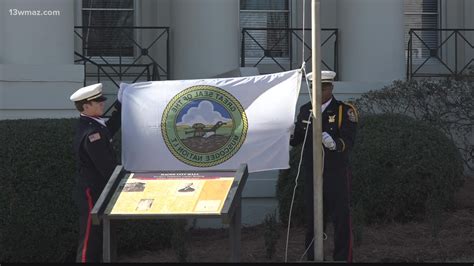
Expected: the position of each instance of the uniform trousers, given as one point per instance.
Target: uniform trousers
(336, 209)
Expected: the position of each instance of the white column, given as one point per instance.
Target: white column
(3, 16)
(38, 39)
(37, 70)
(371, 40)
(205, 35)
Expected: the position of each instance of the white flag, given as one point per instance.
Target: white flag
(209, 124)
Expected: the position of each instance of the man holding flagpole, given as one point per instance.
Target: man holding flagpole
(339, 122)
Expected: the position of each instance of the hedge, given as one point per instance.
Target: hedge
(38, 221)
(402, 169)
(446, 104)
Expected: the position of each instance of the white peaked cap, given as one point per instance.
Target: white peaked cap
(326, 76)
(91, 92)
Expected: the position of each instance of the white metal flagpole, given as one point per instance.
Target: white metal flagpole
(317, 128)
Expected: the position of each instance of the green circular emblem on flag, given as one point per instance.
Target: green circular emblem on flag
(204, 126)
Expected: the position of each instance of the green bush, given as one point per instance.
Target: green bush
(446, 104)
(402, 168)
(285, 188)
(271, 234)
(134, 235)
(399, 164)
(38, 221)
(36, 177)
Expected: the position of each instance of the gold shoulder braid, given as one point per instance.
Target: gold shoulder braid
(339, 120)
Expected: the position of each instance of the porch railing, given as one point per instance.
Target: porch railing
(452, 55)
(282, 47)
(116, 54)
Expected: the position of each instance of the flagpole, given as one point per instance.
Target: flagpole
(317, 128)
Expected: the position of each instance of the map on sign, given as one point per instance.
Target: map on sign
(171, 193)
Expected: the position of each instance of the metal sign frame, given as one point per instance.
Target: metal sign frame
(230, 213)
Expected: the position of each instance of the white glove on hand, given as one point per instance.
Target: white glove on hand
(328, 142)
(119, 94)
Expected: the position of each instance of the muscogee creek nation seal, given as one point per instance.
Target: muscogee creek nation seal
(204, 126)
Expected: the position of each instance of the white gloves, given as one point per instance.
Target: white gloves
(328, 142)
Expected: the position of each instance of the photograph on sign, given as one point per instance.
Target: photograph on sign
(134, 187)
(144, 204)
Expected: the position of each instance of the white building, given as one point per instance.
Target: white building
(44, 58)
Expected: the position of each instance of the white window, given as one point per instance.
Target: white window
(110, 42)
(422, 14)
(265, 14)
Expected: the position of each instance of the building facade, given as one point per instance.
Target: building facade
(50, 48)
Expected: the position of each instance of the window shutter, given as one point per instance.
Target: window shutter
(108, 13)
(422, 14)
(265, 14)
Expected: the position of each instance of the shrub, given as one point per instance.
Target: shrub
(445, 104)
(285, 187)
(271, 234)
(36, 178)
(399, 164)
(179, 240)
(136, 235)
(401, 169)
(38, 221)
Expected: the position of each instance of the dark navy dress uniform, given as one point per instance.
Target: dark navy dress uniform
(339, 120)
(96, 161)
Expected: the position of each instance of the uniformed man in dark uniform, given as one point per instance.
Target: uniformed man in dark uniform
(96, 160)
(339, 122)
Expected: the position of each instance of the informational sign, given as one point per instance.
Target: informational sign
(171, 193)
